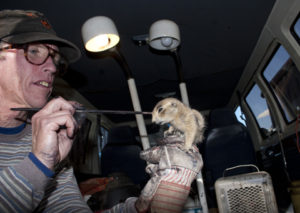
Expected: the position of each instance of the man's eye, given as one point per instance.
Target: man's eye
(57, 59)
(33, 51)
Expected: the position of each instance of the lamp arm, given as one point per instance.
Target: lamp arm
(134, 97)
(122, 62)
(178, 62)
(183, 93)
(185, 100)
(139, 118)
(182, 84)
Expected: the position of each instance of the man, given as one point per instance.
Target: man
(33, 175)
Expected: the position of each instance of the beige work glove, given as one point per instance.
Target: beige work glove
(172, 171)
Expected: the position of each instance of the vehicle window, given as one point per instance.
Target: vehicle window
(102, 141)
(259, 107)
(240, 115)
(284, 78)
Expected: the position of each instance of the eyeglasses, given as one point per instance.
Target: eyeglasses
(37, 53)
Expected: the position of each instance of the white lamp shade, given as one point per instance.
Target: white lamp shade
(99, 33)
(164, 35)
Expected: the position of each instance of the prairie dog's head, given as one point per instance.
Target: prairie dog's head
(165, 111)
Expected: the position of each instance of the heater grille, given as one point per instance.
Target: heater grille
(247, 193)
(248, 199)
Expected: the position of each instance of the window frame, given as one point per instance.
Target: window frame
(264, 136)
(292, 29)
(274, 51)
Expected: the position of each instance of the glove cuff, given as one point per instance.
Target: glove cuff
(169, 197)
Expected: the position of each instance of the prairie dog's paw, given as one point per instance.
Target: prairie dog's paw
(186, 147)
(169, 131)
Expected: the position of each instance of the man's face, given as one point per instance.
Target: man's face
(24, 84)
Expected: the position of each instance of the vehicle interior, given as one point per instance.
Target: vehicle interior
(238, 63)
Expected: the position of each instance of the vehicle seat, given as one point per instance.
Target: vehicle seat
(122, 155)
(227, 144)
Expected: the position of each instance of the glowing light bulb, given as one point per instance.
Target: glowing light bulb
(101, 41)
(166, 41)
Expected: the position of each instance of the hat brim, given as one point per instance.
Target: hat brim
(67, 48)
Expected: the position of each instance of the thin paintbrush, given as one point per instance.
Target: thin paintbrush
(88, 111)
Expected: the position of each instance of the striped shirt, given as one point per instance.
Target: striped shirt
(24, 187)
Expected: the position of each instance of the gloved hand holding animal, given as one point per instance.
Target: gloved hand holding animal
(175, 162)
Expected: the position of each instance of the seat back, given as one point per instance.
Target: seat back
(227, 144)
(122, 155)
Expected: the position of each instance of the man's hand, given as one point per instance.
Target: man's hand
(53, 129)
(172, 170)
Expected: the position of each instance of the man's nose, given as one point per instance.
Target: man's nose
(49, 65)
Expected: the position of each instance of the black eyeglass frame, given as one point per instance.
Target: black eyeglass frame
(61, 64)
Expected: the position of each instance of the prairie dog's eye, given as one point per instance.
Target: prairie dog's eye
(174, 104)
(160, 109)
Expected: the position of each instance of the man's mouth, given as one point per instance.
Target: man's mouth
(44, 84)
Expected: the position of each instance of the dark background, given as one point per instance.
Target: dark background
(217, 38)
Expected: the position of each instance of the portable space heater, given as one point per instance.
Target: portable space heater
(246, 193)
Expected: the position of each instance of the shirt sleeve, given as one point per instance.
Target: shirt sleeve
(64, 195)
(127, 207)
(20, 191)
(25, 188)
(40, 165)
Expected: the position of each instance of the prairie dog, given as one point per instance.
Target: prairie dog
(189, 121)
